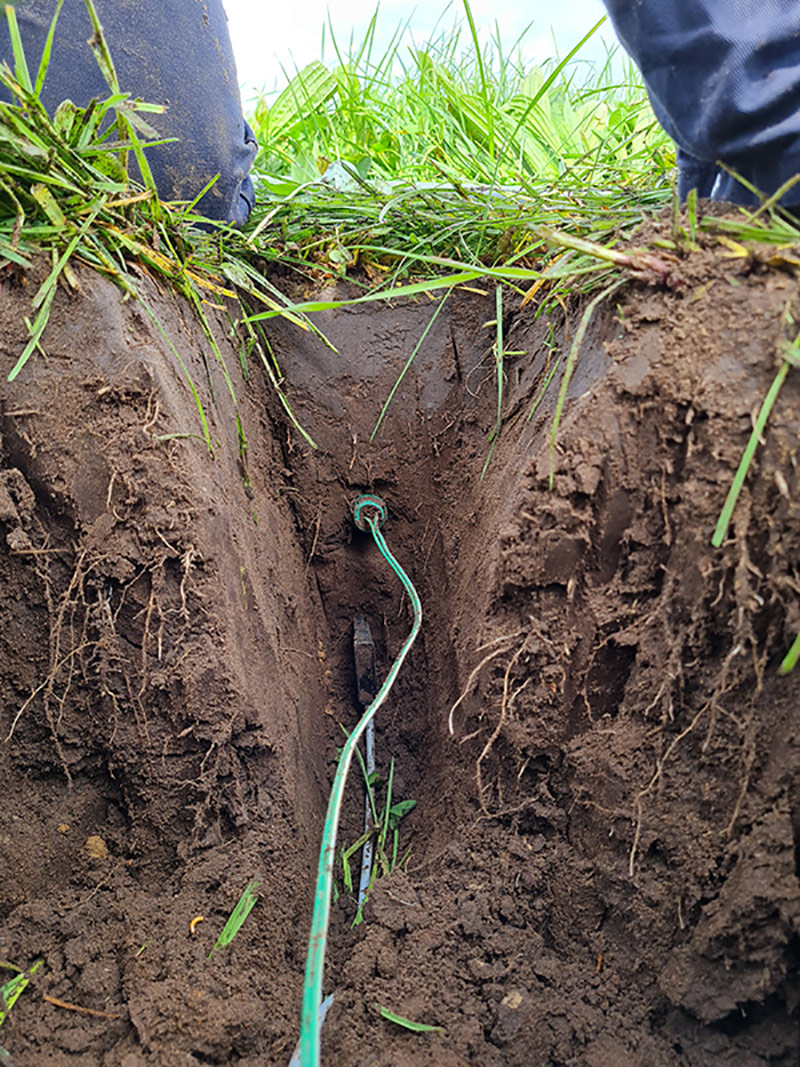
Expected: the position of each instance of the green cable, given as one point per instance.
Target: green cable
(368, 512)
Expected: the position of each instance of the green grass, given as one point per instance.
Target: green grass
(386, 163)
(462, 162)
(452, 163)
(569, 368)
(235, 921)
(387, 814)
(759, 427)
(792, 657)
(791, 358)
(451, 112)
(407, 1024)
(11, 990)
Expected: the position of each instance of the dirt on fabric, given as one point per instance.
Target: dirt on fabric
(602, 865)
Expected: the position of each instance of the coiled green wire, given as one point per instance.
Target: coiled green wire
(368, 512)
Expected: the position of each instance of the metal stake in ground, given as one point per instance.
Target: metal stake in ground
(367, 682)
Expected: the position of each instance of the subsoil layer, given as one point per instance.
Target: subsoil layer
(602, 864)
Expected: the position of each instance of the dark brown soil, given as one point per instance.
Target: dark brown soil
(604, 852)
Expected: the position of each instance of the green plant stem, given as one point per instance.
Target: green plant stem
(10, 992)
(791, 658)
(498, 363)
(244, 906)
(408, 363)
(726, 514)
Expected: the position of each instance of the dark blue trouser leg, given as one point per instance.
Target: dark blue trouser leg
(173, 52)
(724, 80)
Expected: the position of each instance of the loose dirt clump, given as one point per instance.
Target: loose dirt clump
(606, 762)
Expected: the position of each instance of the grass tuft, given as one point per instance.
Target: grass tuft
(385, 831)
(451, 151)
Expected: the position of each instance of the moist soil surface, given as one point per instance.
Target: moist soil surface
(602, 864)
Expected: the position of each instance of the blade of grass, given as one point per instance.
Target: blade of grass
(549, 373)
(35, 331)
(181, 362)
(407, 1024)
(726, 514)
(44, 63)
(408, 362)
(412, 289)
(20, 63)
(791, 658)
(498, 362)
(237, 917)
(384, 821)
(484, 84)
(102, 54)
(277, 385)
(12, 990)
(347, 876)
(572, 360)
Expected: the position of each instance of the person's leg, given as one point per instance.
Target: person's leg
(724, 80)
(172, 52)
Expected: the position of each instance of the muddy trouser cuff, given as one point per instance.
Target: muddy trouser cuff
(723, 77)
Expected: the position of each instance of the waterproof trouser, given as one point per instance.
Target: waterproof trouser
(723, 77)
(172, 52)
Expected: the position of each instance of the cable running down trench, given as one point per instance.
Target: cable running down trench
(369, 513)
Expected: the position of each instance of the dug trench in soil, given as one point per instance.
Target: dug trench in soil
(603, 864)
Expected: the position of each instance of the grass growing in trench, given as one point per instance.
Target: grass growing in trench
(247, 901)
(387, 814)
(408, 175)
(11, 990)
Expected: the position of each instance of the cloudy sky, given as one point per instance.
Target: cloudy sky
(268, 37)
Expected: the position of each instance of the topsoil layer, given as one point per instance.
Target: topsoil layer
(602, 864)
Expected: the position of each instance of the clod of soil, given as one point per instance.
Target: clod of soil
(604, 851)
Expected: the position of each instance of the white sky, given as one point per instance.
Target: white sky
(268, 36)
